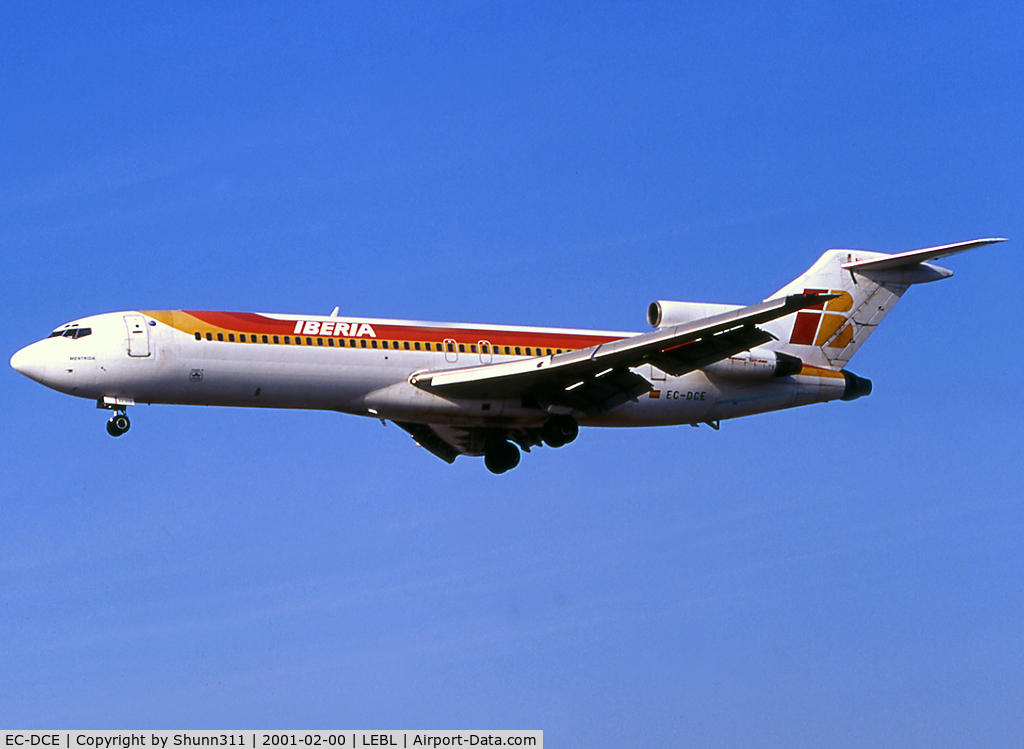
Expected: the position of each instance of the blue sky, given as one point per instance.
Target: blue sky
(839, 575)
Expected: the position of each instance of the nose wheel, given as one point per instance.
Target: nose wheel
(118, 424)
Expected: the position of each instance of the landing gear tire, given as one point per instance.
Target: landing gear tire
(560, 430)
(501, 456)
(118, 425)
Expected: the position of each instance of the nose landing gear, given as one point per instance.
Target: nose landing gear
(118, 424)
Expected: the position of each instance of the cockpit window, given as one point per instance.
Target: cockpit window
(71, 333)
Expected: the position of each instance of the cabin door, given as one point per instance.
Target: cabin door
(138, 335)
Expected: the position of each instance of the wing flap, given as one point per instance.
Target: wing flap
(687, 357)
(426, 437)
(600, 394)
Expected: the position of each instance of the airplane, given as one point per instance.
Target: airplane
(493, 390)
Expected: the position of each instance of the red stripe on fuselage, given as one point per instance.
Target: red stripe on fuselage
(251, 322)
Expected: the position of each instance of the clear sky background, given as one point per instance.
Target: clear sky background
(843, 575)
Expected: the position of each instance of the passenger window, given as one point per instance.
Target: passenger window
(209, 336)
(309, 341)
(549, 351)
(472, 348)
(287, 339)
(518, 351)
(451, 347)
(363, 342)
(276, 339)
(385, 344)
(220, 336)
(298, 341)
(462, 348)
(406, 345)
(395, 345)
(330, 342)
(417, 345)
(319, 341)
(231, 337)
(198, 336)
(486, 348)
(266, 341)
(241, 337)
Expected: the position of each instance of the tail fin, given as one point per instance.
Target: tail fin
(868, 285)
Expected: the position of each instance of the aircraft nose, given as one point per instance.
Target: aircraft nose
(30, 362)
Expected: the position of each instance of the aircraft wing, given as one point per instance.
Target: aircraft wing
(597, 379)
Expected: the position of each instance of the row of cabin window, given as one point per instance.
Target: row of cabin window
(352, 342)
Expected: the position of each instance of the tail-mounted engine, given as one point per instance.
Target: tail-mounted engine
(662, 314)
(756, 364)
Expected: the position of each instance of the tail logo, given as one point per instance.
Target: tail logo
(825, 324)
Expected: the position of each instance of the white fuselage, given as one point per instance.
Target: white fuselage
(363, 367)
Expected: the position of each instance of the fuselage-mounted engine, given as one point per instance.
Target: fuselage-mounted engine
(755, 364)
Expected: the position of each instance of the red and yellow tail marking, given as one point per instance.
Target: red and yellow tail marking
(809, 371)
(825, 325)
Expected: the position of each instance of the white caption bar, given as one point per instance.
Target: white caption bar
(265, 739)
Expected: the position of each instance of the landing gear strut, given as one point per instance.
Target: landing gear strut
(118, 424)
(501, 456)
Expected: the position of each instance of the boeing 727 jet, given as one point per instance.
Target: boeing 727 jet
(493, 390)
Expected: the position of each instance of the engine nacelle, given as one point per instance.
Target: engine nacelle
(756, 364)
(662, 314)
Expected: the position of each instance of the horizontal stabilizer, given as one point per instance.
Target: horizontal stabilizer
(915, 257)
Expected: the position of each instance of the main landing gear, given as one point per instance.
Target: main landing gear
(559, 430)
(501, 455)
(118, 424)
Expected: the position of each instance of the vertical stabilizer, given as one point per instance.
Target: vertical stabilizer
(868, 285)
